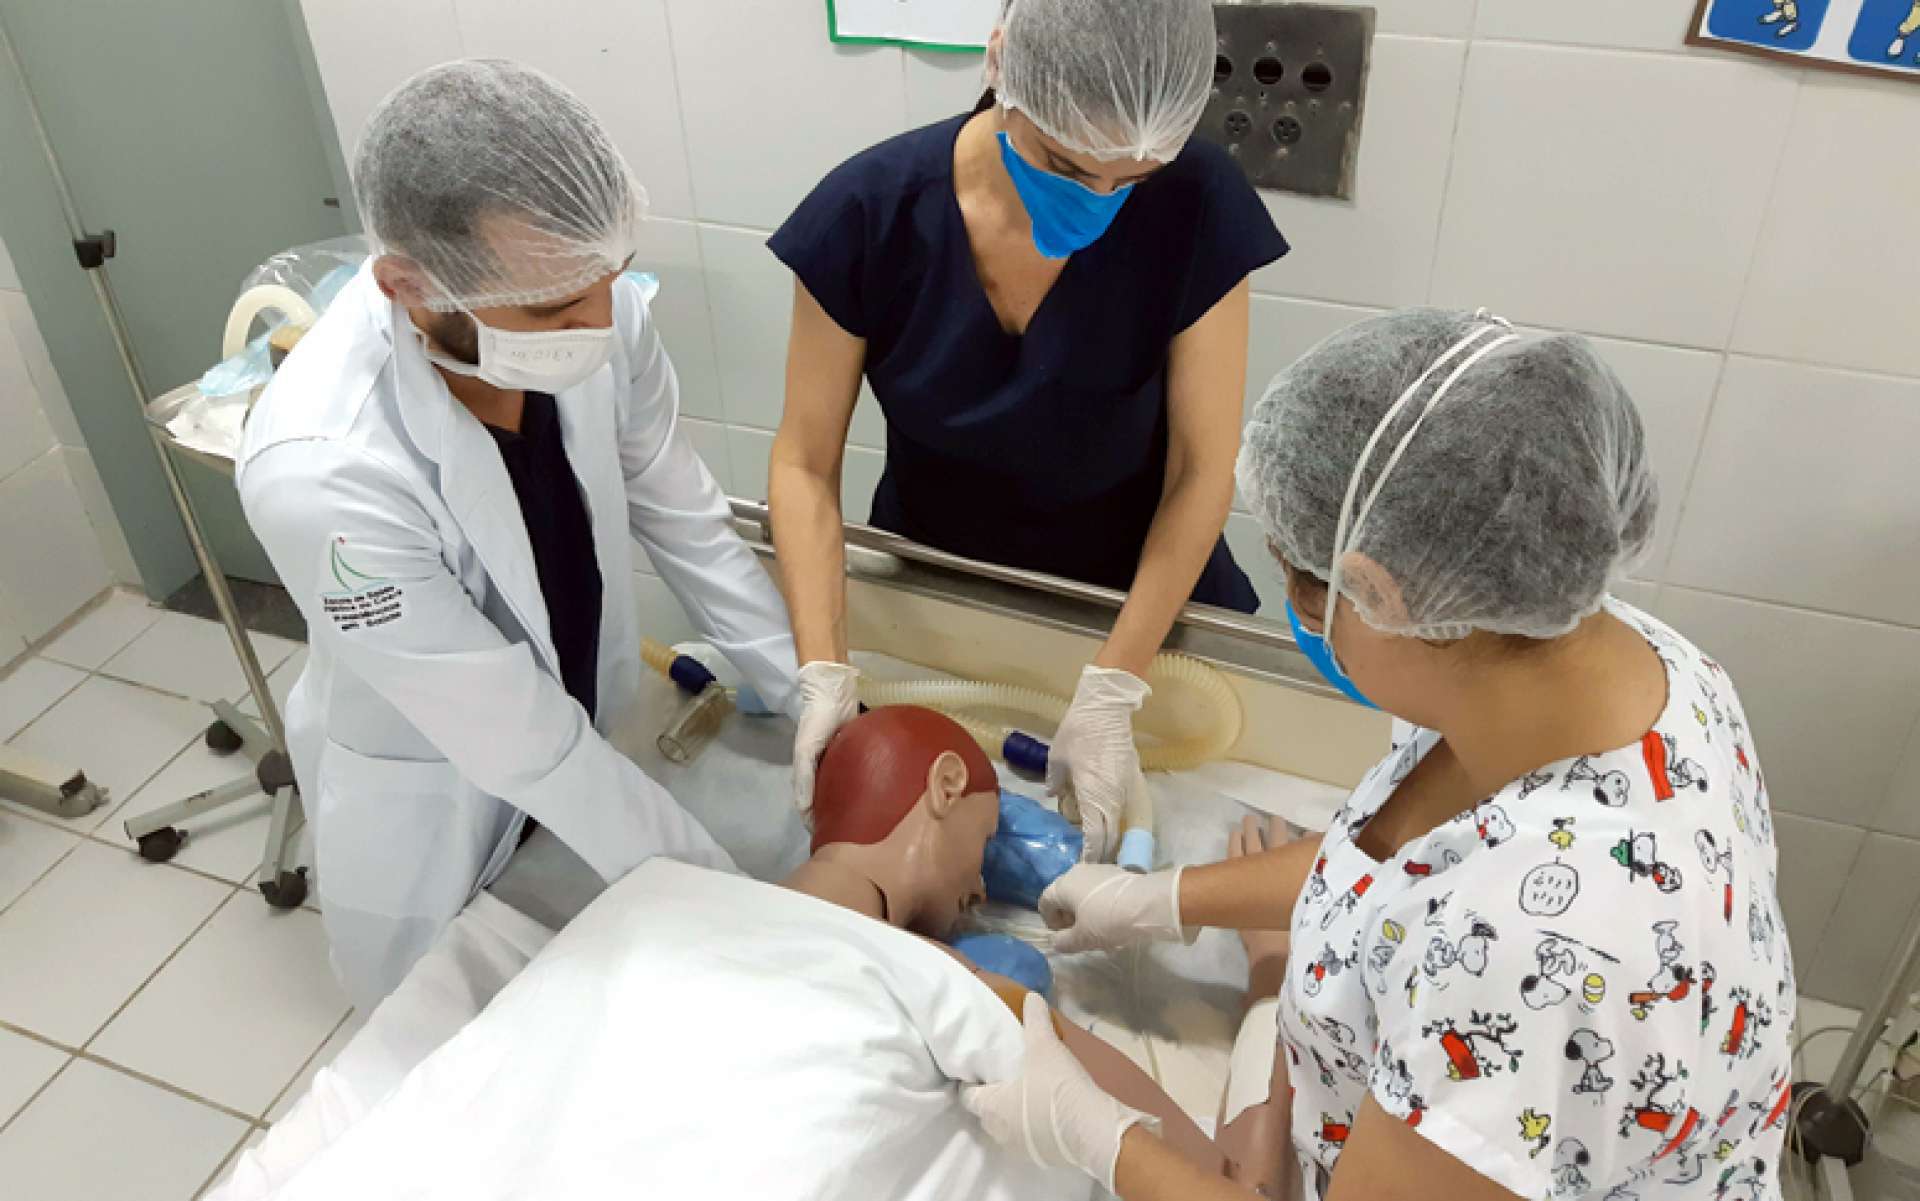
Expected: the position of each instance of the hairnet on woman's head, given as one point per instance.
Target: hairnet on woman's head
(1524, 494)
(498, 182)
(1111, 78)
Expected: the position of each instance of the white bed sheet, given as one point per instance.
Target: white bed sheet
(1172, 1009)
(644, 1047)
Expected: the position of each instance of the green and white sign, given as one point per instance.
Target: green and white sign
(957, 25)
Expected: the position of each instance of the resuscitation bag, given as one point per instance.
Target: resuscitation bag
(1033, 847)
(1010, 957)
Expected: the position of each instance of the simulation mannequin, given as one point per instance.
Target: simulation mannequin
(833, 1041)
(904, 804)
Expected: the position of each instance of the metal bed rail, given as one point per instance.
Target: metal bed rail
(1237, 642)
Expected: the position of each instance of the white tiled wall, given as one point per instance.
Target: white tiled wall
(59, 542)
(1739, 236)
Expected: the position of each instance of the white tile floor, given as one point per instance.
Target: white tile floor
(153, 1018)
(156, 1018)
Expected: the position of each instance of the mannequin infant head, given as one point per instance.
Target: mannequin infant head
(914, 789)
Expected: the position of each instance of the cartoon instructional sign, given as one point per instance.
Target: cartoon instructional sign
(1877, 36)
(961, 25)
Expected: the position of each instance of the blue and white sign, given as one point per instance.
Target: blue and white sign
(1878, 36)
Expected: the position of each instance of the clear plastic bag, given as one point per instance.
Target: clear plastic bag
(304, 279)
(1009, 957)
(1033, 847)
(316, 271)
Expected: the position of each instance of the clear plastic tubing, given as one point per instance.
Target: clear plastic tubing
(1221, 721)
(694, 725)
(698, 718)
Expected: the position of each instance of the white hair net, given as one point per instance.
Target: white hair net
(499, 183)
(1522, 496)
(1111, 78)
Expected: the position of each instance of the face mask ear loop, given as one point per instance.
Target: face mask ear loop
(1342, 534)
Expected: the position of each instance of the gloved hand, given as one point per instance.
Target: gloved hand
(1053, 1110)
(1098, 906)
(1092, 766)
(829, 697)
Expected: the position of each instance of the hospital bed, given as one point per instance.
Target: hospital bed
(916, 613)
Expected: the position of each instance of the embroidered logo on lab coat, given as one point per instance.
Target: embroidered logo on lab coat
(364, 601)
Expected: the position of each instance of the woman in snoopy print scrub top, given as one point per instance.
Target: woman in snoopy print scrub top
(1049, 297)
(1538, 953)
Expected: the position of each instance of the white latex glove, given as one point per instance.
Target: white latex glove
(829, 697)
(1097, 906)
(1053, 1110)
(1092, 766)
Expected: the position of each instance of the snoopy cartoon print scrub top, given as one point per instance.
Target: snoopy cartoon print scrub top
(1579, 988)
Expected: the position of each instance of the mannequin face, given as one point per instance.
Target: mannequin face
(944, 881)
(905, 793)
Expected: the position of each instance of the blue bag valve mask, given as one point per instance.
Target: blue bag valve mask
(1033, 847)
(1008, 956)
(1067, 216)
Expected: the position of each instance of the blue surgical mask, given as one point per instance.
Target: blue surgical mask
(1067, 216)
(1314, 647)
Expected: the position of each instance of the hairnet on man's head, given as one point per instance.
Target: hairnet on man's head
(1111, 78)
(498, 182)
(1522, 497)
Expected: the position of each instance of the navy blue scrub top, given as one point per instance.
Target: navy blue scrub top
(561, 535)
(1045, 451)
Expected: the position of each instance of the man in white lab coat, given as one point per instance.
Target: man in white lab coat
(449, 473)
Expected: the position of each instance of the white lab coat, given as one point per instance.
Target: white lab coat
(430, 720)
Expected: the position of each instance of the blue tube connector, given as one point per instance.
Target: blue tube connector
(692, 677)
(1025, 752)
(690, 674)
(1136, 851)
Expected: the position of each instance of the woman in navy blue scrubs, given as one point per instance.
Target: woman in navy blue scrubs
(1049, 298)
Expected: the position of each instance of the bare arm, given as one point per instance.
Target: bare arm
(1384, 1160)
(1253, 892)
(1257, 1142)
(1206, 380)
(824, 365)
(1151, 1170)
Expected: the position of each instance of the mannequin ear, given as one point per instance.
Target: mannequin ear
(401, 279)
(946, 783)
(1372, 589)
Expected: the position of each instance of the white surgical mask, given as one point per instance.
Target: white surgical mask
(551, 360)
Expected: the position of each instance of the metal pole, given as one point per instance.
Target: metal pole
(1853, 1060)
(123, 342)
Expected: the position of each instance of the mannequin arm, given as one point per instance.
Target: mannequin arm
(1117, 1075)
(1256, 1141)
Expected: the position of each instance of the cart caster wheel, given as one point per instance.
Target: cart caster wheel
(161, 845)
(287, 892)
(222, 740)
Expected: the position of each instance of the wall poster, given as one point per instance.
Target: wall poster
(957, 25)
(1878, 37)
